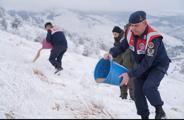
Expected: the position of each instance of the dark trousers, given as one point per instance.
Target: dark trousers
(56, 56)
(147, 87)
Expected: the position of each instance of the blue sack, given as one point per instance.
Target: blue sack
(108, 71)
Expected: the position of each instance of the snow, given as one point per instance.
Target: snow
(171, 41)
(31, 90)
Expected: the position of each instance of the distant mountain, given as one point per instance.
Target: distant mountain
(86, 29)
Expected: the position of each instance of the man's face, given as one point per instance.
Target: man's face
(138, 28)
(115, 34)
(48, 27)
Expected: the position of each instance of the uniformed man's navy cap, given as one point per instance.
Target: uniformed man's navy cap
(137, 17)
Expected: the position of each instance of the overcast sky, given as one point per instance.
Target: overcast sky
(106, 5)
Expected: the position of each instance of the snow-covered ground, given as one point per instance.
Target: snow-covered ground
(31, 90)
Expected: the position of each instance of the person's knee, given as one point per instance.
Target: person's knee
(137, 93)
(148, 90)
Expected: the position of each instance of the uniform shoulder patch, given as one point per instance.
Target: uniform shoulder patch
(151, 45)
(150, 52)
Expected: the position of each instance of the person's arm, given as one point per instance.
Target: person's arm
(147, 61)
(115, 51)
(49, 36)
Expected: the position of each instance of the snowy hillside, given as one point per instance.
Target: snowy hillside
(81, 30)
(32, 90)
(86, 29)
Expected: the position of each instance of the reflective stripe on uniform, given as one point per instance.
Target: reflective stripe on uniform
(129, 35)
(148, 38)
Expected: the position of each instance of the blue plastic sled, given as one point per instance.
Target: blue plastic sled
(108, 71)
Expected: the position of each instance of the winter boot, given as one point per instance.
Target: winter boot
(144, 117)
(58, 70)
(160, 114)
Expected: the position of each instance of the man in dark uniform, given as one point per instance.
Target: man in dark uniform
(124, 59)
(57, 38)
(151, 63)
